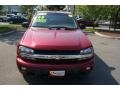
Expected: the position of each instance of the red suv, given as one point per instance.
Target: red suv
(54, 45)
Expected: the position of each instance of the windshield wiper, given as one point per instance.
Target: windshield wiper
(59, 27)
(41, 26)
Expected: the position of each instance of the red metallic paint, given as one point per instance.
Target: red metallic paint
(45, 39)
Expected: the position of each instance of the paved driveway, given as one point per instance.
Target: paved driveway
(106, 71)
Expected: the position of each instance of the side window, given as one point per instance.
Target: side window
(15, 17)
(18, 17)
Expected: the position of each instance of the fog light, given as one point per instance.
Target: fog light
(88, 68)
(23, 68)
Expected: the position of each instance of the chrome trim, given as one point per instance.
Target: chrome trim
(56, 57)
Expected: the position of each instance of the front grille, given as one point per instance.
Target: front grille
(55, 52)
(53, 61)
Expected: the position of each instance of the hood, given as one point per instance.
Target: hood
(45, 39)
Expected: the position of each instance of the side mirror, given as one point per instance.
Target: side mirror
(25, 24)
(82, 26)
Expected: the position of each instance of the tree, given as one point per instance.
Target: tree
(101, 12)
(28, 10)
(116, 17)
(90, 12)
(1, 9)
(55, 7)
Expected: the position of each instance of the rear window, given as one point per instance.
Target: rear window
(54, 20)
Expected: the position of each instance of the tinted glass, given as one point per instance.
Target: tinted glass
(54, 20)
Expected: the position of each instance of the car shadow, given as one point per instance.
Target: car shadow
(13, 38)
(101, 75)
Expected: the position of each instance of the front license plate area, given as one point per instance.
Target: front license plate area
(57, 73)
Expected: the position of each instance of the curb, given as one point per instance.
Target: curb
(2, 34)
(88, 32)
(107, 29)
(106, 36)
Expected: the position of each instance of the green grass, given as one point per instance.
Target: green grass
(7, 28)
(89, 30)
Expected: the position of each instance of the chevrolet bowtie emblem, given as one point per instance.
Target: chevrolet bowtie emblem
(57, 57)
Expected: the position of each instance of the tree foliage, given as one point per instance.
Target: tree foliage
(1, 9)
(95, 11)
(101, 12)
(28, 10)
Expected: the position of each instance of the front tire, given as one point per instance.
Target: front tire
(1, 20)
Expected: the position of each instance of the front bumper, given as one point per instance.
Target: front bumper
(24, 65)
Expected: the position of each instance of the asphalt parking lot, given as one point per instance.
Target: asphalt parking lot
(105, 72)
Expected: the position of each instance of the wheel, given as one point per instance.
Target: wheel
(1, 20)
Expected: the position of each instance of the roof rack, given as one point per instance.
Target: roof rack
(53, 12)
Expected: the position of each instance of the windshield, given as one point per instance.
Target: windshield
(54, 20)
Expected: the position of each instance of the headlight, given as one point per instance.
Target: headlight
(25, 51)
(87, 53)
